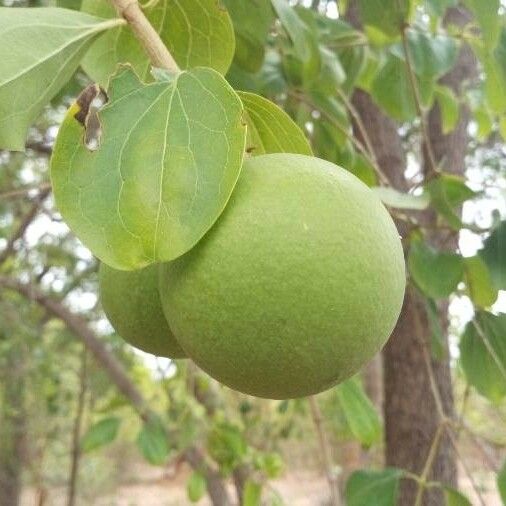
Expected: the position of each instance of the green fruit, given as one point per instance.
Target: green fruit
(298, 284)
(131, 302)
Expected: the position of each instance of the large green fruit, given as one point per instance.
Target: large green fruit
(131, 302)
(298, 284)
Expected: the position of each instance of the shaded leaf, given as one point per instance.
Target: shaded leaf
(387, 16)
(367, 487)
(494, 255)
(436, 273)
(40, 50)
(394, 198)
(487, 18)
(100, 434)
(360, 414)
(479, 282)
(227, 446)
(196, 34)
(153, 444)
(196, 487)
(437, 337)
(449, 108)
(252, 494)
(455, 498)
(438, 7)
(270, 129)
(168, 160)
(483, 354)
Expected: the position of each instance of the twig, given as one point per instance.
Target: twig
(324, 449)
(21, 192)
(147, 35)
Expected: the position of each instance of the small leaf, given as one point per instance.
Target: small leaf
(449, 108)
(167, 162)
(196, 486)
(40, 50)
(436, 273)
(152, 441)
(360, 414)
(455, 498)
(100, 434)
(386, 15)
(196, 34)
(227, 446)
(252, 494)
(501, 482)
(396, 199)
(479, 282)
(483, 354)
(270, 129)
(367, 487)
(271, 464)
(252, 21)
(493, 254)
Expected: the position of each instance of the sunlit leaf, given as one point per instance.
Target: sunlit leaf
(197, 33)
(270, 129)
(367, 487)
(394, 198)
(360, 414)
(167, 162)
(483, 354)
(494, 255)
(40, 49)
(479, 282)
(455, 498)
(487, 17)
(196, 487)
(449, 108)
(252, 494)
(100, 434)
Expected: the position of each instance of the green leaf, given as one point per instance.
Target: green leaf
(455, 498)
(196, 487)
(40, 49)
(493, 254)
(479, 282)
(386, 15)
(483, 354)
(501, 482)
(167, 162)
(399, 200)
(360, 414)
(271, 464)
(436, 273)
(270, 129)
(153, 444)
(196, 33)
(252, 494)
(368, 487)
(100, 434)
(227, 446)
(437, 345)
(252, 21)
(487, 17)
(449, 108)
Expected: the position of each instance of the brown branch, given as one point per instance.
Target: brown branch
(25, 223)
(158, 53)
(325, 450)
(22, 192)
(81, 329)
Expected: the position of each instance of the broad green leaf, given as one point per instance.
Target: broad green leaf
(487, 17)
(360, 414)
(448, 107)
(100, 434)
(305, 57)
(447, 192)
(394, 198)
(483, 354)
(368, 487)
(436, 273)
(227, 446)
(196, 487)
(197, 33)
(40, 49)
(270, 129)
(169, 156)
(271, 464)
(387, 16)
(501, 482)
(494, 255)
(484, 120)
(252, 494)
(479, 282)
(455, 498)
(153, 444)
(252, 21)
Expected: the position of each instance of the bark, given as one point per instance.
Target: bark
(411, 416)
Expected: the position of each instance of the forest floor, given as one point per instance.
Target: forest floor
(297, 488)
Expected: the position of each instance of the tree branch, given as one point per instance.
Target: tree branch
(146, 34)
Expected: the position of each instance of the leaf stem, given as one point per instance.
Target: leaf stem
(158, 53)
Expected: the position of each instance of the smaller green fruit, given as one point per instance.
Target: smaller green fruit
(132, 304)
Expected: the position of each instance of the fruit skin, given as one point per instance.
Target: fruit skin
(131, 302)
(298, 284)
